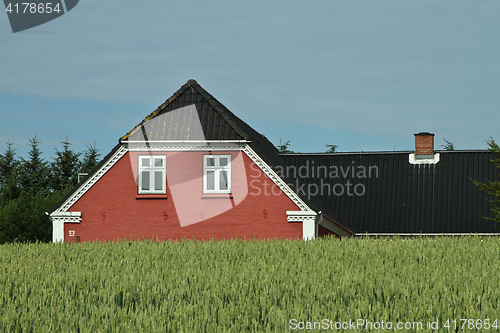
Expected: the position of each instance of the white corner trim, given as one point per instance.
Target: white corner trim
(57, 231)
(91, 181)
(413, 160)
(309, 229)
(308, 219)
(269, 172)
(58, 219)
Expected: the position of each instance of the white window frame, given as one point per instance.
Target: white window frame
(217, 169)
(152, 169)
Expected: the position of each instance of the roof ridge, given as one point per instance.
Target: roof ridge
(381, 152)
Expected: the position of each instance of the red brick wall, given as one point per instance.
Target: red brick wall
(424, 144)
(112, 209)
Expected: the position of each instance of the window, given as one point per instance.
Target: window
(152, 170)
(216, 173)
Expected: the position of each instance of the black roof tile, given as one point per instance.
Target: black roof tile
(408, 198)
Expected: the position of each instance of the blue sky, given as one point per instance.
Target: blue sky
(363, 75)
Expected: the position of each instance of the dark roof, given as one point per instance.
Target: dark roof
(216, 121)
(403, 197)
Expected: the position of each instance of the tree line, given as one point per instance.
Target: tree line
(30, 187)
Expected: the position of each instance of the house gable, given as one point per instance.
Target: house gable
(193, 120)
(112, 208)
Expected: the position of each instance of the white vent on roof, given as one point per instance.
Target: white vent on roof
(432, 160)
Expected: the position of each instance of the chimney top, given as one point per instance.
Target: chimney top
(424, 145)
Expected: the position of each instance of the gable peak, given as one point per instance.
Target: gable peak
(176, 118)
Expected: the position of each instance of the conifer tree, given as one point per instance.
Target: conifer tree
(283, 148)
(448, 145)
(34, 175)
(90, 158)
(493, 187)
(65, 167)
(8, 163)
(331, 148)
(10, 190)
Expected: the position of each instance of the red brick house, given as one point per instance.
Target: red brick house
(190, 169)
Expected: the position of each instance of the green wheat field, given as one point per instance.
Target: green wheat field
(251, 285)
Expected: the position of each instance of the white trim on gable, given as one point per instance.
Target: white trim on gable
(91, 181)
(305, 215)
(276, 179)
(61, 214)
(184, 145)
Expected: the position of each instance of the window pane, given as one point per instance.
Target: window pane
(223, 181)
(210, 180)
(223, 161)
(210, 161)
(145, 162)
(159, 162)
(145, 180)
(158, 180)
